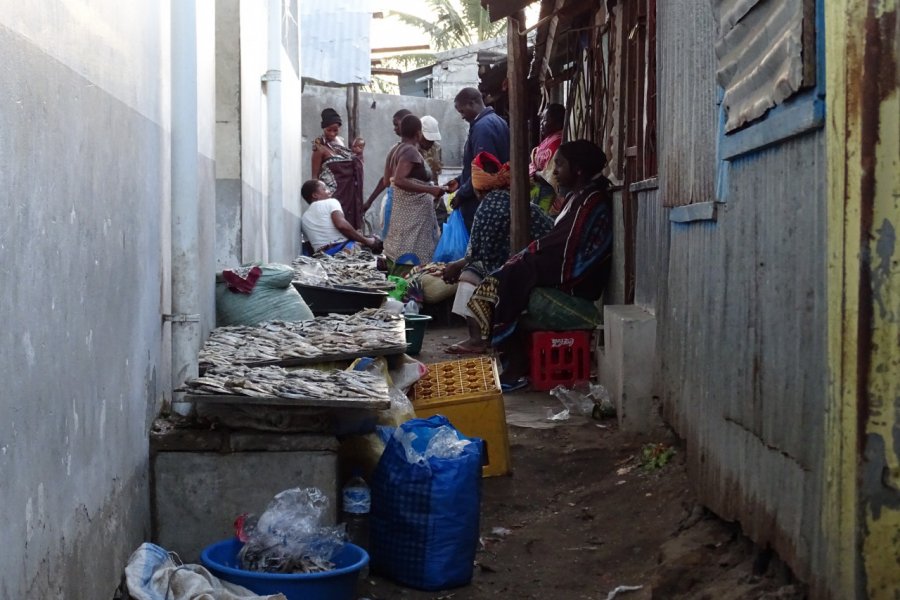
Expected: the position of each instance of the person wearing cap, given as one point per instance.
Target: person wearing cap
(431, 151)
(339, 168)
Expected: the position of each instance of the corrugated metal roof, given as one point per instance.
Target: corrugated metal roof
(334, 41)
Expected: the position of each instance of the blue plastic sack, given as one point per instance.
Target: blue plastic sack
(454, 239)
(425, 514)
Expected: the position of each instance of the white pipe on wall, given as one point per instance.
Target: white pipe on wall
(272, 81)
(185, 317)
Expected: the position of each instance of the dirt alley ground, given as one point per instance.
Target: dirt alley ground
(580, 516)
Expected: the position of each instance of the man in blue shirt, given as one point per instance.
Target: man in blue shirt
(488, 132)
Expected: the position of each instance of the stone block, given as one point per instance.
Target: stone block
(626, 364)
(197, 495)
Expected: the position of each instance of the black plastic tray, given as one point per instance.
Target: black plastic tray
(344, 300)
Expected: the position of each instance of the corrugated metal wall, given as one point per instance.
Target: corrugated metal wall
(652, 252)
(687, 101)
(741, 313)
(742, 346)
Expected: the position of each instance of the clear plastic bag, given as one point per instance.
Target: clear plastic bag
(444, 442)
(290, 536)
(310, 271)
(582, 397)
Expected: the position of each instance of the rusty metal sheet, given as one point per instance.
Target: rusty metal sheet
(763, 54)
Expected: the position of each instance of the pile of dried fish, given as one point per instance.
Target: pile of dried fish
(320, 338)
(355, 269)
(275, 382)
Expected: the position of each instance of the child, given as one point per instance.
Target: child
(358, 146)
(324, 225)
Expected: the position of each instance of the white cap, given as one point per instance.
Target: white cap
(430, 129)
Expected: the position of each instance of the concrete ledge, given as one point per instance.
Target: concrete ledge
(699, 211)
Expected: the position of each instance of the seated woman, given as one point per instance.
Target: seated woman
(488, 244)
(412, 232)
(575, 257)
(324, 225)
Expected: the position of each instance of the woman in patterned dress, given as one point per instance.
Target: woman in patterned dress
(339, 168)
(413, 231)
(489, 244)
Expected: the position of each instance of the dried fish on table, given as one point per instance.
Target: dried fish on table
(355, 269)
(275, 382)
(368, 331)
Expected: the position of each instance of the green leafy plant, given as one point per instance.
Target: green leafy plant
(656, 456)
(458, 23)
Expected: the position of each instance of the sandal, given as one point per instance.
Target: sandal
(513, 386)
(461, 348)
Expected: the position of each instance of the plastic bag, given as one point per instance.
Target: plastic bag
(400, 285)
(290, 536)
(454, 239)
(582, 398)
(552, 309)
(425, 514)
(310, 271)
(445, 442)
(406, 372)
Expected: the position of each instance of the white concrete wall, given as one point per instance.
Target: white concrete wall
(456, 69)
(242, 180)
(253, 27)
(228, 134)
(84, 252)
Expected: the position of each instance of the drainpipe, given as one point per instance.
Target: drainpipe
(185, 317)
(272, 82)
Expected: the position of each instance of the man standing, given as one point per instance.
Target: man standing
(488, 132)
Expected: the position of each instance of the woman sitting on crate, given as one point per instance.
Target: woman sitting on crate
(489, 242)
(559, 276)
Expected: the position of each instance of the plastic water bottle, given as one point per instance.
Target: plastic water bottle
(357, 501)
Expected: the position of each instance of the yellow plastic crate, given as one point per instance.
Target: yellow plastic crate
(468, 393)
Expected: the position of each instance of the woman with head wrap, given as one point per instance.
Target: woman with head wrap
(544, 188)
(574, 258)
(338, 167)
(412, 232)
(488, 244)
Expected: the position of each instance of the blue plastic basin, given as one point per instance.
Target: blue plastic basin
(221, 559)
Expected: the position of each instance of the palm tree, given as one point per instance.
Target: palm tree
(459, 23)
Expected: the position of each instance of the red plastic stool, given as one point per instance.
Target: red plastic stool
(559, 358)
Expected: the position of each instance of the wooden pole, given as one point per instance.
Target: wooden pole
(352, 112)
(519, 187)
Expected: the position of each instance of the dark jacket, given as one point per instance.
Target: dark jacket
(487, 133)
